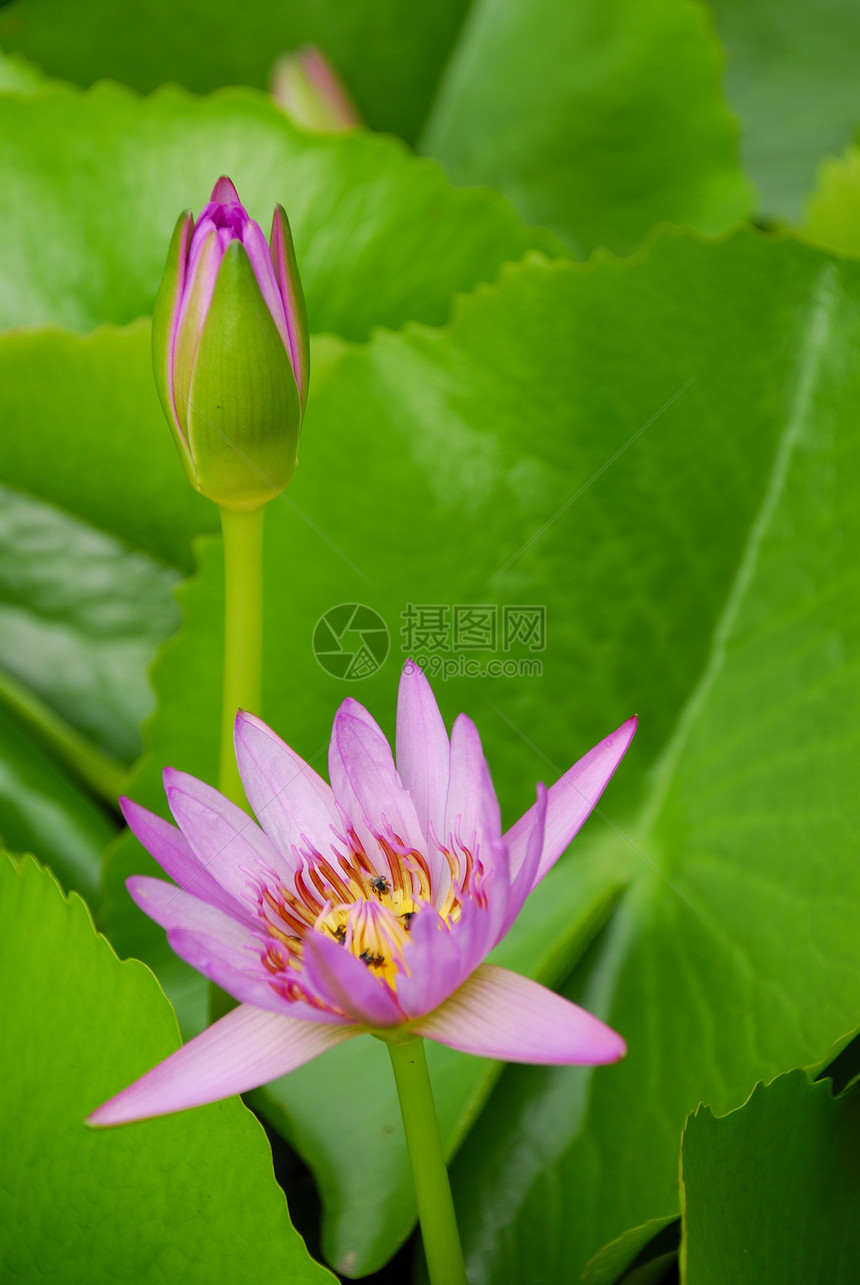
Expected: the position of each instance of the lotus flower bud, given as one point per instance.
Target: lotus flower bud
(312, 94)
(230, 351)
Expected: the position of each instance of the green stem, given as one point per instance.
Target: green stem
(243, 632)
(429, 1173)
(96, 770)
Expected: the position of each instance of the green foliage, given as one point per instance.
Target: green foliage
(390, 52)
(43, 807)
(380, 237)
(597, 120)
(117, 468)
(644, 1255)
(740, 955)
(658, 451)
(81, 617)
(791, 78)
(771, 1192)
(18, 75)
(188, 1197)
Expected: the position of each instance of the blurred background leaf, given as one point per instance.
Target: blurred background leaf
(81, 618)
(44, 808)
(390, 52)
(833, 214)
(597, 120)
(791, 78)
(381, 237)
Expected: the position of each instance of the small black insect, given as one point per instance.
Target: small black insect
(372, 961)
(407, 918)
(380, 885)
(340, 933)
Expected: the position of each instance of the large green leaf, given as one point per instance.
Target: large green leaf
(190, 1197)
(741, 955)
(81, 617)
(390, 52)
(93, 182)
(791, 77)
(597, 119)
(502, 460)
(43, 809)
(771, 1191)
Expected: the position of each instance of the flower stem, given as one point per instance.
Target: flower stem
(103, 776)
(429, 1173)
(243, 632)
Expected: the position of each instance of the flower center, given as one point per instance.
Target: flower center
(347, 898)
(374, 931)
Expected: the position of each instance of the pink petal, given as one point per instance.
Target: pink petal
(288, 797)
(340, 782)
(228, 842)
(182, 273)
(499, 1014)
(471, 808)
(570, 801)
(343, 981)
(496, 888)
(422, 749)
(526, 876)
(243, 1050)
(204, 262)
(365, 781)
(173, 853)
(257, 250)
(234, 972)
(224, 193)
(438, 958)
(471, 799)
(172, 908)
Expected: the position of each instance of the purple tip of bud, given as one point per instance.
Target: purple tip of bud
(224, 193)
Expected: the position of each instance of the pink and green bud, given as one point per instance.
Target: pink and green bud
(312, 94)
(230, 351)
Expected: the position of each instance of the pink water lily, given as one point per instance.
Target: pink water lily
(364, 906)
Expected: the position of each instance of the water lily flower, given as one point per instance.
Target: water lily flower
(364, 906)
(230, 351)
